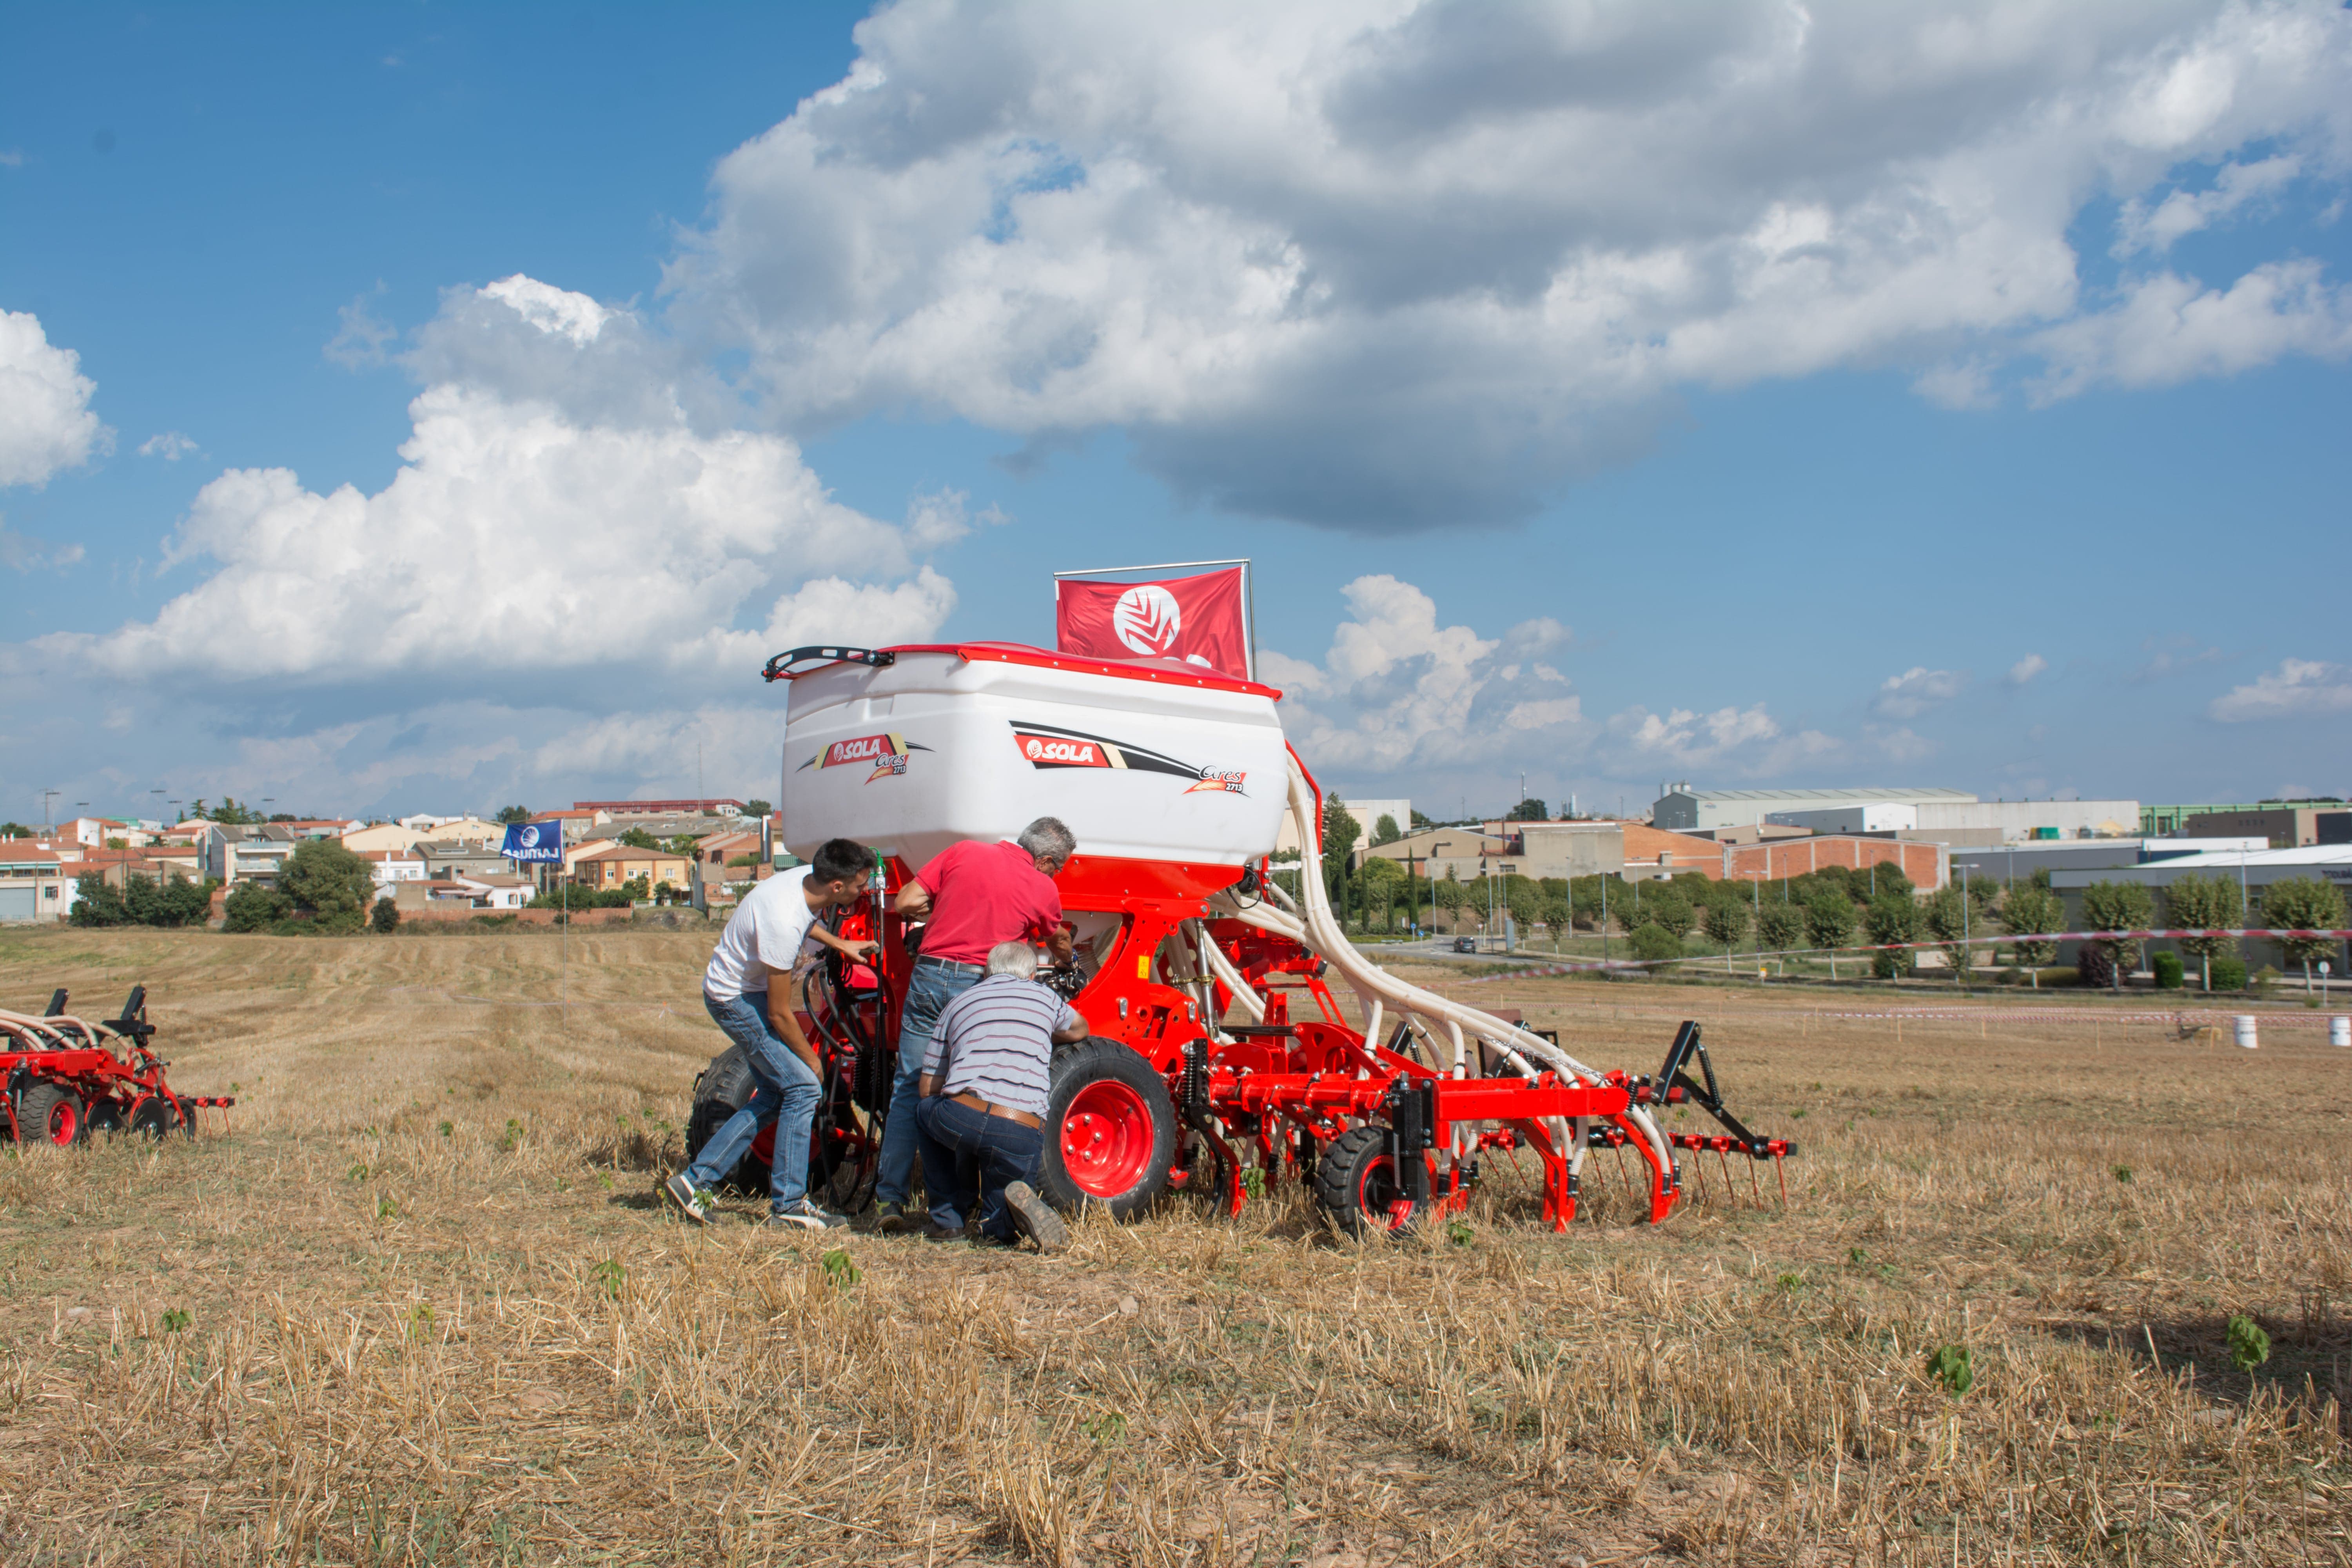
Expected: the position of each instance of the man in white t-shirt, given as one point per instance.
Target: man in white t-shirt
(749, 992)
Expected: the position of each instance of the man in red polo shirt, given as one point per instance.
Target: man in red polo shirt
(975, 895)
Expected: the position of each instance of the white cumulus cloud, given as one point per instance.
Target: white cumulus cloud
(1398, 690)
(1407, 265)
(1917, 689)
(2299, 688)
(2168, 328)
(2026, 669)
(2145, 228)
(170, 446)
(538, 523)
(45, 422)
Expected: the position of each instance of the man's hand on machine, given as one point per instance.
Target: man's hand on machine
(861, 947)
(1062, 941)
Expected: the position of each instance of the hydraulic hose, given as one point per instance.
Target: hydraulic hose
(1322, 934)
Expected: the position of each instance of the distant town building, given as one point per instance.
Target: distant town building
(1683, 809)
(1949, 817)
(36, 883)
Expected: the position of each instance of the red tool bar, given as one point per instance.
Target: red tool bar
(1517, 1099)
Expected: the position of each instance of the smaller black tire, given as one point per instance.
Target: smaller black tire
(1357, 1182)
(52, 1113)
(107, 1117)
(723, 1089)
(1109, 1130)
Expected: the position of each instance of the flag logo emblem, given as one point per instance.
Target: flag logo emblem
(1146, 619)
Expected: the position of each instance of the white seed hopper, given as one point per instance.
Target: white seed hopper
(1145, 759)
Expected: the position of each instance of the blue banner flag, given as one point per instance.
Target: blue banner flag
(534, 841)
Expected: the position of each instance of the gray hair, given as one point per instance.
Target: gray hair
(1017, 958)
(1047, 840)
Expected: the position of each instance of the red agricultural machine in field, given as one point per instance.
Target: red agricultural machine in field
(68, 1077)
(1219, 1047)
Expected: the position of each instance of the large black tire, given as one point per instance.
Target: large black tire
(1357, 1182)
(52, 1113)
(1110, 1131)
(723, 1089)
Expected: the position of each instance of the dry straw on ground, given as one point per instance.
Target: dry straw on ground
(418, 1308)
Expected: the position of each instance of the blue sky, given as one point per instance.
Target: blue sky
(1917, 412)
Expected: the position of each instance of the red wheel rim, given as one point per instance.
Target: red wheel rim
(65, 1122)
(1106, 1138)
(1379, 1199)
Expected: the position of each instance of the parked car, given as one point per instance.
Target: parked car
(1466, 944)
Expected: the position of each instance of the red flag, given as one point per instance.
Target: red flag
(1197, 619)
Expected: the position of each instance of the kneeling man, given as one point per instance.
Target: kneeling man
(983, 1088)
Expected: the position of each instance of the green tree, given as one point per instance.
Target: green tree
(1780, 927)
(1863, 883)
(2028, 911)
(1654, 944)
(1340, 832)
(1557, 918)
(1528, 810)
(757, 808)
(1892, 918)
(1669, 909)
(1384, 831)
(637, 838)
(333, 884)
(1726, 922)
(2113, 906)
(685, 843)
(2304, 903)
(1829, 921)
(1524, 897)
(384, 919)
(1421, 820)
(97, 904)
(510, 814)
(177, 902)
(228, 813)
(1382, 886)
(250, 907)
(2200, 902)
(1950, 920)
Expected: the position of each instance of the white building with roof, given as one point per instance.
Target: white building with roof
(1925, 813)
(1682, 809)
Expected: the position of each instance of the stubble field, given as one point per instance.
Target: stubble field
(418, 1306)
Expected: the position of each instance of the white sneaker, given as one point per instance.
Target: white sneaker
(806, 1215)
(681, 1194)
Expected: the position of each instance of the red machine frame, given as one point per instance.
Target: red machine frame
(67, 1076)
(1384, 1135)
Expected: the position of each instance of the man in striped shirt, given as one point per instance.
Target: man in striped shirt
(981, 1113)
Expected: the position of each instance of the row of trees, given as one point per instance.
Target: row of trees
(2198, 902)
(1835, 906)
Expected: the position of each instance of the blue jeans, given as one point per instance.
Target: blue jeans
(963, 1147)
(934, 986)
(783, 1091)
